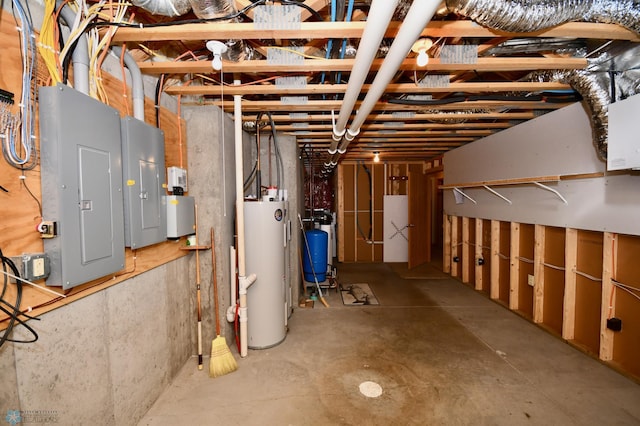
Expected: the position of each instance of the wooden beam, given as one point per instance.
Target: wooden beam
(569, 302)
(478, 253)
(316, 89)
(391, 126)
(465, 250)
(608, 304)
(328, 65)
(315, 106)
(446, 244)
(414, 117)
(494, 292)
(324, 30)
(515, 181)
(403, 135)
(514, 267)
(538, 273)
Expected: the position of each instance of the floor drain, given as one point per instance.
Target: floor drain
(370, 389)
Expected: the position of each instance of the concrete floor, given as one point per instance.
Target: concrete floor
(442, 353)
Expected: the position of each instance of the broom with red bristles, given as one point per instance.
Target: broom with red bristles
(222, 361)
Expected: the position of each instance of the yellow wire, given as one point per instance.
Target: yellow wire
(46, 43)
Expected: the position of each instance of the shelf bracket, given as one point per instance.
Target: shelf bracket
(494, 192)
(564, 200)
(461, 192)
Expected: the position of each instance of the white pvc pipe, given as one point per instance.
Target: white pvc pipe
(380, 14)
(244, 281)
(414, 23)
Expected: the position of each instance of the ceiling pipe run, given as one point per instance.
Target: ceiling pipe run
(416, 20)
(378, 20)
(137, 86)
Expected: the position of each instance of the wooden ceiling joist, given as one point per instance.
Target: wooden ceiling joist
(324, 30)
(325, 89)
(328, 65)
(328, 105)
(388, 117)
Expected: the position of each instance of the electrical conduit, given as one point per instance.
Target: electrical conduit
(244, 281)
(80, 56)
(416, 20)
(137, 86)
(380, 15)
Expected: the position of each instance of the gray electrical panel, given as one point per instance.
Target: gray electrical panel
(180, 216)
(145, 213)
(81, 173)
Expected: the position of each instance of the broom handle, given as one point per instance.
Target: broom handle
(198, 301)
(215, 284)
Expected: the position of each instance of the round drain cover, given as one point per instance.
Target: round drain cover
(370, 389)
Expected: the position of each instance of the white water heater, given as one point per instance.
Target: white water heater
(264, 223)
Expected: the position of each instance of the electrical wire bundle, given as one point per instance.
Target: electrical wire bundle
(13, 309)
(18, 130)
(57, 59)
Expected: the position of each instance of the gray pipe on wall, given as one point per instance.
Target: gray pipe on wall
(137, 86)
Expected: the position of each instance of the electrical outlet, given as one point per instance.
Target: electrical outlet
(32, 266)
(530, 280)
(38, 267)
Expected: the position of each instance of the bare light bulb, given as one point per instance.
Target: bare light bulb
(217, 48)
(376, 157)
(216, 63)
(423, 58)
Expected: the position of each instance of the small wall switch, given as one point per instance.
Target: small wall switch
(530, 280)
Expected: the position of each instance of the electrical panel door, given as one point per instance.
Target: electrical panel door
(144, 183)
(81, 173)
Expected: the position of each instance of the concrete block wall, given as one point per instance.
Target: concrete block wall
(104, 359)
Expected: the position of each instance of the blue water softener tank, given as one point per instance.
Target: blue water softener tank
(316, 255)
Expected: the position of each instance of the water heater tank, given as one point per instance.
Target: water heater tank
(264, 250)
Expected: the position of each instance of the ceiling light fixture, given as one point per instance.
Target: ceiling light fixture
(421, 46)
(217, 48)
(376, 157)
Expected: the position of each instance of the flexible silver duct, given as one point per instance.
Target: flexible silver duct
(594, 89)
(534, 15)
(212, 9)
(530, 16)
(164, 7)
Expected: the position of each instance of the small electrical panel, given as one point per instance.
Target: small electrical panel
(180, 215)
(81, 174)
(145, 215)
(32, 266)
(177, 180)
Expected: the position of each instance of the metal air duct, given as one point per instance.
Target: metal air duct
(216, 9)
(164, 7)
(531, 16)
(521, 16)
